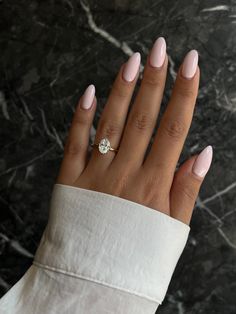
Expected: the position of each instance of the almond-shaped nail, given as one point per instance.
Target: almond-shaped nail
(203, 162)
(131, 67)
(190, 63)
(158, 53)
(88, 96)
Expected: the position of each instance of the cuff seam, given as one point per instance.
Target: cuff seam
(78, 275)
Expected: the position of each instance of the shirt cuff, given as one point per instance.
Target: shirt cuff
(111, 241)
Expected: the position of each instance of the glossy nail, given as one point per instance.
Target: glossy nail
(190, 64)
(203, 162)
(131, 67)
(88, 96)
(158, 53)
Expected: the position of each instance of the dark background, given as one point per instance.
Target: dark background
(49, 52)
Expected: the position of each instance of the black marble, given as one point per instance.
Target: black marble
(49, 52)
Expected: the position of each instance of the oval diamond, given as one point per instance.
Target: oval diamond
(104, 146)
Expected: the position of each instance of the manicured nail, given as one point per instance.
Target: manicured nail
(203, 162)
(190, 64)
(158, 53)
(88, 96)
(131, 67)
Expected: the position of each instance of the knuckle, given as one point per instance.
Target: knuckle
(152, 79)
(151, 189)
(119, 185)
(120, 181)
(80, 118)
(108, 129)
(141, 121)
(187, 191)
(72, 148)
(119, 90)
(185, 92)
(174, 129)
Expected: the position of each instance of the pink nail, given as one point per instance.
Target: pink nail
(88, 96)
(158, 53)
(203, 162)
(190, 64)
(131, 67)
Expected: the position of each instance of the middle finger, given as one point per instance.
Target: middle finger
(176, 121)
(143, 115)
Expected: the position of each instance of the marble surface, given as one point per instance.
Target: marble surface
(50, 51)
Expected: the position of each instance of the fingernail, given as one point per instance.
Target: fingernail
(203, 162)
(131, 67)
(88, 96)
(158, 53)
(190, 64)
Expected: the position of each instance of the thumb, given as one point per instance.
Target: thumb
(186, 184)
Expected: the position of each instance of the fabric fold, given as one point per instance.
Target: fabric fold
(112, 241)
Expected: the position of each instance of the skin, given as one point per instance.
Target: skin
(150, 180)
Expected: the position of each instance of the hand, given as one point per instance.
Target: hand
(150, 180)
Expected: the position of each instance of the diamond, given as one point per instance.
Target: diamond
(104, 146)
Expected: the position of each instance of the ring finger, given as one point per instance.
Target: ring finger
(114, 114)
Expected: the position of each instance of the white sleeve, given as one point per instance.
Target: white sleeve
(100, 254)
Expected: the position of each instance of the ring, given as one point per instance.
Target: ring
(104, 146)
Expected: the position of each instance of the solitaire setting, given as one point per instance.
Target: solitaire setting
(104, 146)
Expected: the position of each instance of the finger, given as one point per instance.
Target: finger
(75, 152)
(186, 184)
(176, 121)
(114, 115)
(143, 116)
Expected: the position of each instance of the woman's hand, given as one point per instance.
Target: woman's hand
(149, 180)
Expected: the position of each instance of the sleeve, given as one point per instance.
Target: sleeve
(99, 253)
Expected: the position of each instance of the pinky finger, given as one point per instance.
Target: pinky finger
(76, 146)
(186, 185)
